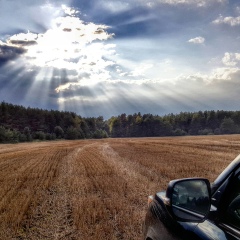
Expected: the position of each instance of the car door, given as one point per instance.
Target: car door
(229, 209)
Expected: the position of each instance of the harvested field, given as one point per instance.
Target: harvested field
(97, 189)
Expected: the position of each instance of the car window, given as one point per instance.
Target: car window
(231, 214)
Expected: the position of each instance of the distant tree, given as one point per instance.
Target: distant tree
(7, 135)
(206, 131)
(22, 137)
(81, 134)
(27, 133)
(72, 133)
(99, 122)
(69, 120)
(135, 122)
(197, 123)
(99, 133)
(4, 112)
(179, 132)
(85, 129)
(40, 135)
(236, 117)
(115, 127)
(228, 126)
(2, 134)
(147, 125)
(50, 121)
(217, 131)
(50, 136)
(212, 121)
(182, 121)
(165, 128)
(223, 114)
(15, 136)
(59, 132)
(91, 122)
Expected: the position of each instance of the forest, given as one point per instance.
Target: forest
(21, 124)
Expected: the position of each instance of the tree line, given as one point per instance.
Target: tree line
(20, 124)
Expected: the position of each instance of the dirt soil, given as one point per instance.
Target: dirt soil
(97, 189)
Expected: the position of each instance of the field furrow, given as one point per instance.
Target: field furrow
(97, 189)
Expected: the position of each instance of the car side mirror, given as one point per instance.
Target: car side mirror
(189, 199)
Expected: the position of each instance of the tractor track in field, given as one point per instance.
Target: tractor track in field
(51, 218)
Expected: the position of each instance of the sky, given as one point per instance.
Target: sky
(108, 57)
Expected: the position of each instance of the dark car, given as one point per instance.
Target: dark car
(193, 208)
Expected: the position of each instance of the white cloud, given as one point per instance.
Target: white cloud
(232, 21)
(231, 59)
(140, 70)
(197, 40)
(23, 39)
(115, 6)
(187, 93)
(69, 11)
(69, 44)
(224, 74)
(217, 76)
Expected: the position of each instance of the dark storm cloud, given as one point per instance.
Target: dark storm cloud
(8, 53)
(67, 29)
(22, 42)
(99, 31)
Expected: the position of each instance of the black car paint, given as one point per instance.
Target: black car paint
(160, 225)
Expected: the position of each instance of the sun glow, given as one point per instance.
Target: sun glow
(69, 55)
(68, 44)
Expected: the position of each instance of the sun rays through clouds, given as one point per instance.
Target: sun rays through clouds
(69, 54)
(111, 57)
